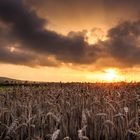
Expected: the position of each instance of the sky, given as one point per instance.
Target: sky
(70, 40)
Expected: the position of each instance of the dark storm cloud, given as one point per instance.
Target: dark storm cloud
(21, 25)
(12, 52)
(124, 42)
(30, 32)
(18, 58)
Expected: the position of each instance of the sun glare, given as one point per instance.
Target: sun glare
(110, 75)
(107, 75)
(113, 75)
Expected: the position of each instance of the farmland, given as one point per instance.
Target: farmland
(70, 111)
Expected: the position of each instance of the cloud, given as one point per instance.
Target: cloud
(29, 31)
(124, 42)
(23, 29)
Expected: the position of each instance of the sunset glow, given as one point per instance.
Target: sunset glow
(75, 40)
(69, 69)
(95, 35)
(107, 75)
(112, 75)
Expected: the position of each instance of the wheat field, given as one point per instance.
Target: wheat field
(70, 111)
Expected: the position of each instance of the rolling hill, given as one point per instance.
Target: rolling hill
(4, 79)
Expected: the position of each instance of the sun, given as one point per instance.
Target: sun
(110, 75)
(113, 75)
(106, 75)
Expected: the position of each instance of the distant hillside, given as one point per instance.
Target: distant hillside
(4, 79)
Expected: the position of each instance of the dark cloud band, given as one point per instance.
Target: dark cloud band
(36, 43)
